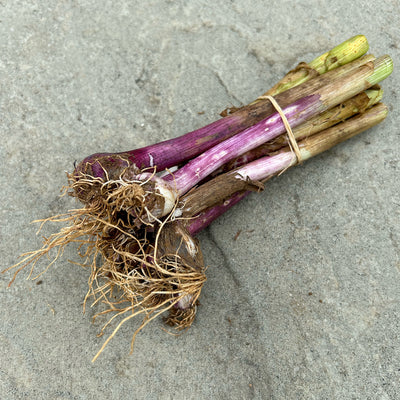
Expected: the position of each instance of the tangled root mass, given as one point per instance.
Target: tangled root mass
(140, 264)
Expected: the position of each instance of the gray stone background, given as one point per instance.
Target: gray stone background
(77, 77)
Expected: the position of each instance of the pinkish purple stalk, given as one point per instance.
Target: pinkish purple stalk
(268, 166)
(168, 153)
(172, 152)
(205, 218)
(257, 170)
(296, 113)
(202, 166)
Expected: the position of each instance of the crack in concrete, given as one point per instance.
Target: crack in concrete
(221, 82)
(225, 258)
(245, 303)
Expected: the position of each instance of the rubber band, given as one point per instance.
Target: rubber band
(292, 139)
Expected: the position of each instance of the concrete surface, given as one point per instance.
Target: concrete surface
(303, 305)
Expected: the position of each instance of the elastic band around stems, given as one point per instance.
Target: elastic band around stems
(292, 140)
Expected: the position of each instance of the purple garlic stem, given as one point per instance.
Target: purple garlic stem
(268, 166)
(178, 150)
(324, 98)
(206, 217)
(200, 167)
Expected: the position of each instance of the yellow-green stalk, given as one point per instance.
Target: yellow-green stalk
(342, 54)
